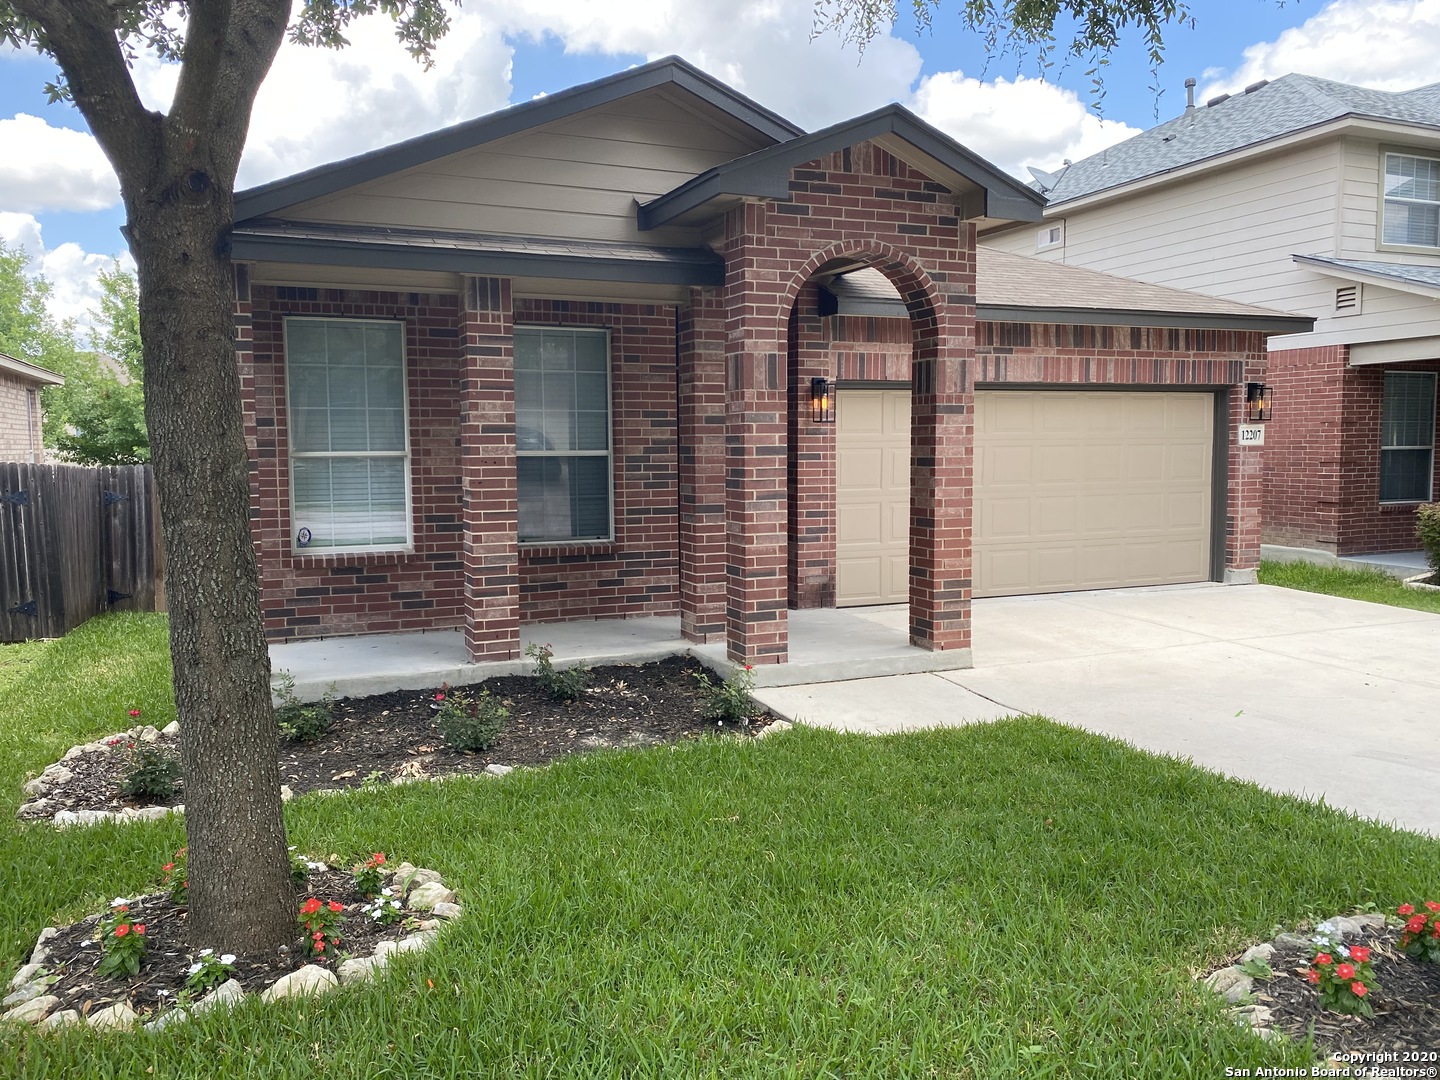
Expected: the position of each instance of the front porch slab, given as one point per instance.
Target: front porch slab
(826, 645)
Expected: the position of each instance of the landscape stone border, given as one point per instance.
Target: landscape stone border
(38, 790)
(1234, 986)
(424, 890)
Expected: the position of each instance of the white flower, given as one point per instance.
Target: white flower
(227, 958)
(395, 904)
(1343, 951)
(385, 891)
(195, 969)
(206, 952)
(119, 901)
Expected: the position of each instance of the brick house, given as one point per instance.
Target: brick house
(20, 386)
(1309, 196)
(578, 359)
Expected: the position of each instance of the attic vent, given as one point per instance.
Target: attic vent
(1347, 300)
(1216, 101)
(1256, 86)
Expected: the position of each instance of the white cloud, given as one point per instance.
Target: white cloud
(72, 271)
(1014, 124)
(1382, 44)
(53, 168)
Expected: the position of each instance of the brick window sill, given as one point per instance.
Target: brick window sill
(352, 558)
(1401, 507)
(579, 547)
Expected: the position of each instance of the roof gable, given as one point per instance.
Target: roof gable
(276, 196)
(766, 173)
(1286, 106)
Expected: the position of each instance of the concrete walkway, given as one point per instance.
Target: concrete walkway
(1302, 693)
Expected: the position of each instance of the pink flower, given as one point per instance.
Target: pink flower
(134, 713)
(1345, 971)
(1324, 958)
(1415, 924)
(122, 929)
(1358, 989)
(1432, 905)
(1312, 975)
(1405, 909)
(139, 929)
(336, 907)
(439, 697)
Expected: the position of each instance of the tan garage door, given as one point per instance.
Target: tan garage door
(872, 497)
(1091, 490)
(1073, 490)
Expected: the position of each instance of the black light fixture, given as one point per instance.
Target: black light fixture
(822, 401)
(1258, 400)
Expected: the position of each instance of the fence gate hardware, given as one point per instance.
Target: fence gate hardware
(111, 498)
(112, 597)
(29, 607)
(17, 498)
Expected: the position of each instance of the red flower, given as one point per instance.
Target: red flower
(122, 929)
(319, 946)
(1360, 954)
(134, 713)
(310, 906)
(439, 697)
(318, 935)
(378, 858)
(1415, 924)
(1313, 975)
(122, 909)
(1345, 971)
(139, 929)
(1359, 989)
(749, 667)
(1432, 905)
(1324, 958)
(1405, 909)
(168, 867)
(336, 907)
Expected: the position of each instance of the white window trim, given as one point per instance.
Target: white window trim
(1400, 151)
(291, 453)
(1042, 240)
(609, 452)
(1430, 488)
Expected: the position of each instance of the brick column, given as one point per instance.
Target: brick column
(812, 461)
(942, 450)
(1245, 484)
(700, 339)
(756, 499)
(487, 464)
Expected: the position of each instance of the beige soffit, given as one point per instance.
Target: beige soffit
(1395, 352)
(32, 372)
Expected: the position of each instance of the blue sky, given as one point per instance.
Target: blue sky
(60, 201)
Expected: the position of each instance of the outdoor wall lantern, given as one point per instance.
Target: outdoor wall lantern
(822, 401)
(1258, 400)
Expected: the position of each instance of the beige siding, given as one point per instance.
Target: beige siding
(1385, 315)
(1358, 232)
(576, 178)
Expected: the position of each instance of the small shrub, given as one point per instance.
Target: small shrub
(385, 909)
(368, 875)
(209, 971)
(1427, 528)
(177, 878)
(729, 700)
(470, 722)
(153, 773)
(122, 941)
(1343, 976)
(566, 684)
(299, 721)
(319, 923)
(1420, 939)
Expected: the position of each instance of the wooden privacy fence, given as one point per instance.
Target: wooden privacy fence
(75, 542)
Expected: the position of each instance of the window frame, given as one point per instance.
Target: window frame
(408, 545)
(1433, 379)
(608, 453)
(1386, 152)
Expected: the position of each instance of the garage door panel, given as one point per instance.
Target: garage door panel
(1145, 462)
(1007, 466)
(1143, 512)
(1188, 462)
(860, 523)
(1004, 519)
(1187, 510)
(1055, 516)
(860, 578)
(861, 467)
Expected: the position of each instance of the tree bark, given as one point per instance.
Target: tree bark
(177, 178)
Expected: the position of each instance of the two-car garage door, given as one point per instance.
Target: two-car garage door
(1073, 490)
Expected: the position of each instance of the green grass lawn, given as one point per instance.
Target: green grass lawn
(1008, 900)
(1375, 586)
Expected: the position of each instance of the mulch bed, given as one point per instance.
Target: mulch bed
(394, 736)
(1406, 1004)
(75, 954)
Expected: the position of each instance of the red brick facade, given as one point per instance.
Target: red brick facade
(1322, 456)
(723, 503)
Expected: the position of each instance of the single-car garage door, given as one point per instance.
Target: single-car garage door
(1073, 490)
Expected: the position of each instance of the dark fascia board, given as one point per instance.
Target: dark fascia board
(1176, 320)
(327, 179)
(703, 269)
(766, 173)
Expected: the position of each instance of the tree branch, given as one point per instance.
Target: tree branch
(80, 34)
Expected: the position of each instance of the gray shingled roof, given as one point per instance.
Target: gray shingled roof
(1289, 104)
(1015, 287)
(1428, 276)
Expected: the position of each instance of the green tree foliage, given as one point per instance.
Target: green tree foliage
(98, 416)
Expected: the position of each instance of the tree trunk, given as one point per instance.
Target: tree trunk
(240, 895)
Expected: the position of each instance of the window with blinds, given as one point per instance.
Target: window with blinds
(1412, 201)
(562, 434)
(1407, 436)
(349, 435)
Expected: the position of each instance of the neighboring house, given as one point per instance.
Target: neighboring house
(1309, 196)
(20, 384)
(573, 360)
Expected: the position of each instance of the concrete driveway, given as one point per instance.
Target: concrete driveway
(1307, 694)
